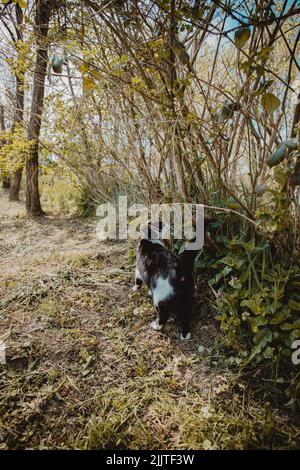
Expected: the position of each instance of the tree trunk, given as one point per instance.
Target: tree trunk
(5, 183)
(294, 134)
(43, 14)
(15, 184)
(296, 118)
(5, 179)
(175, 149)
(14, 192)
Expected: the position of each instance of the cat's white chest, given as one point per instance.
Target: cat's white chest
(162, 291)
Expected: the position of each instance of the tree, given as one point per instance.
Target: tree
(5, 180)
(42, 19)
(17, 39)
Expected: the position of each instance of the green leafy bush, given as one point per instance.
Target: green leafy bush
(257, 299)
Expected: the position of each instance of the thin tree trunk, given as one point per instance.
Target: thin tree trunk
(5, 179)
(43, 14)
(296, 118)
(6, 183)
(14, 192)
(294, 133)
(15, 185)
(175, 151)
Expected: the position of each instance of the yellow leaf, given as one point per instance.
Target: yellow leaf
(136, 80)
(96, 74)
(241, 36)
(84, 68)
(88, 84)
(123, 59)
(22, 3)
(191, 117)
(270, 102)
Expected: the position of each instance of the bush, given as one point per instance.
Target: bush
(86, 204)
(59, 195)
(257, 299)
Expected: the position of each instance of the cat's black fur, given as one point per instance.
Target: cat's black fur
(155, 262)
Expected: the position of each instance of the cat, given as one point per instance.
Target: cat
(169, 278)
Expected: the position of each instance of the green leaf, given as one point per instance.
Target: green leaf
(294, 305)
(296, 324)
(264, 53)
(259, 70)
(245, 66)
(261, 339)
(253, 305)
(279, 154)
(280, 317)
(271, 226)
(256, 322)
(231, 261)
(286, 326)
(241, 36)
(220, 275)
(235, 283)
(232, 203)
(268, 353)
(295, 334)
(270, 102)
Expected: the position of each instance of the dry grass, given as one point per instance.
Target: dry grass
(84, 370)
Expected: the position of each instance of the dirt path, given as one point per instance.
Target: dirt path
(83, 368)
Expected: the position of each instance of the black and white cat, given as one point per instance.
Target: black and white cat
(169, 278)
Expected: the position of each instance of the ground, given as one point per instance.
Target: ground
(84, 370)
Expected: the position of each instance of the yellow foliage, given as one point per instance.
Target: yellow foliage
(14, 148)
(88, 84)
(59, 194)
(21, 3)
(18, 64)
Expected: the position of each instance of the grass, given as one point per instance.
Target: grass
(84, 370)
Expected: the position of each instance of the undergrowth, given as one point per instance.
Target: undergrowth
(84, 370)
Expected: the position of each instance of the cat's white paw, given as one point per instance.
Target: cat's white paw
(186, 338)
(155, 325)
(135, 288)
